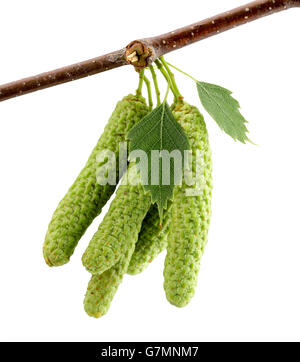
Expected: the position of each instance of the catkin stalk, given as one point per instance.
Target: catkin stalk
(190, 214)
(85, 198)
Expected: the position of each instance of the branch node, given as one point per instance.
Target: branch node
(139, 54)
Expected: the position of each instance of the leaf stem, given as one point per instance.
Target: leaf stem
(171, 75)
(167, 92)
(140, 86)
(167, 77)
(154, 78)
(148, 85)
(181, 71)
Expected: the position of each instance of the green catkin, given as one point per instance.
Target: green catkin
(153, 239)
(102, 287)
(120, 225)
(85, 199)
(190, 214)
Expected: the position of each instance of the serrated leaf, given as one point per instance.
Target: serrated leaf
(224, 109)
(159, 131)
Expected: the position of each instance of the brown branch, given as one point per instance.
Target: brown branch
(141, 53)
(62, 75)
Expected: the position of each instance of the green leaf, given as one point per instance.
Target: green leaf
(159, 131)
(224, 109)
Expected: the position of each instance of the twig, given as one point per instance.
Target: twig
(62, 75)
(142, 53)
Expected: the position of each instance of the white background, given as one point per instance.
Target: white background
(249, 279)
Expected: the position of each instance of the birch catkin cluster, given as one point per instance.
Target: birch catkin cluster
(132, 233)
